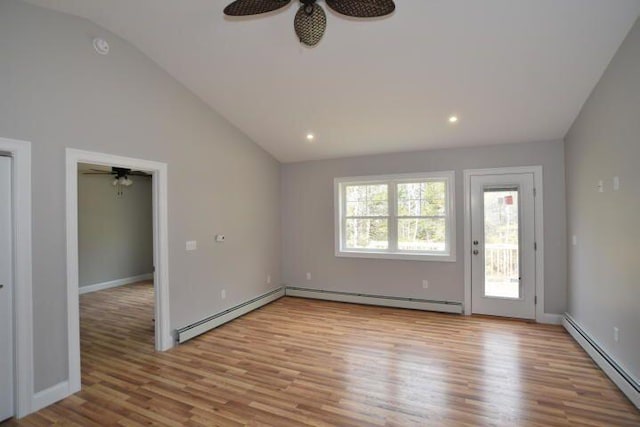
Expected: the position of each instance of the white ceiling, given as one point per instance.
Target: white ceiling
(512, 70)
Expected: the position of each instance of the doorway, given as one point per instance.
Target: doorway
(6, 292)
(503, 233)
(115, 260)
(16, 351)
(158, 173)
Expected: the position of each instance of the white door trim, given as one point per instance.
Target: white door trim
(20, 152)
(163, 337)
(539, 232)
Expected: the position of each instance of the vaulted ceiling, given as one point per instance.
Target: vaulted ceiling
(511, 70)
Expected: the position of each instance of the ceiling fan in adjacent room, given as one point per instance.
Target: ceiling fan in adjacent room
(311, 20)
(120, 176)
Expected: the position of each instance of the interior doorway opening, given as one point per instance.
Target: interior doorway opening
(7, 331)
(115, 261)
(163, 339)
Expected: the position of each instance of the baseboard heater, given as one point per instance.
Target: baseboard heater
(627, 384)
(195, 329)
(368, 299)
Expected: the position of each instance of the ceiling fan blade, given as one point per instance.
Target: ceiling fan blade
(362, 8)
(253, 7)
(310, 23)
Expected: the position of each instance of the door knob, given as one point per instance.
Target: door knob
(476, 252)
(475, 242)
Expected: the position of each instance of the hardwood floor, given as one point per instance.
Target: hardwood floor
(304, 362)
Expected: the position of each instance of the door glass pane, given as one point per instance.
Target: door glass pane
(501, 250)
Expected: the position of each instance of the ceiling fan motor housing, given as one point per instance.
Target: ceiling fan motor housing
(308, 6)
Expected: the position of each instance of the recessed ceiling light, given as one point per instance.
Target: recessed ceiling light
(453, 119)
(310, 137)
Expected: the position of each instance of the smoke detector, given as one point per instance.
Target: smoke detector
(101, 46)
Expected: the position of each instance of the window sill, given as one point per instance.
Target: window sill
(398, 256)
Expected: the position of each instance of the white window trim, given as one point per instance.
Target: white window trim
(338, 184)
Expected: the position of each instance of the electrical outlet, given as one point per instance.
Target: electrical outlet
(268, 279)
(600, 186)
(223, 294)
(191, 245)
(308, 276)
(425, 284)
(616, 334)
(220, 238)
(616, 183)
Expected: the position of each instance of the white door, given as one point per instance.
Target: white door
(502, 245)
(6, 297)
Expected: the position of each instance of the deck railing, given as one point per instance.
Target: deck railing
(501, 262)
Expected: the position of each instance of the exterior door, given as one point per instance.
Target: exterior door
(6, 297)
(502, 244)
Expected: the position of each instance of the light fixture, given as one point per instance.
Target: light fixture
(125, 181)
(121, 180)
(310, 137)
(453, 119)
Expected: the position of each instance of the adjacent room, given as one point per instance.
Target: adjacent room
(319, 212)
(115, 264)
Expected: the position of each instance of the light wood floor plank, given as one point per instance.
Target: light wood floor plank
(302, 362)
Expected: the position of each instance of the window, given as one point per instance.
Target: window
(409, 216)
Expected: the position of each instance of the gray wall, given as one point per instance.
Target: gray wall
(56, 92)
(604, 266)
(308, 223)
(115, 234)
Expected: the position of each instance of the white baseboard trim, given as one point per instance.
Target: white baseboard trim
(627, 384)
(379, 300)
(49, 396)
(205, 325)
(114, 283)
(551, 319)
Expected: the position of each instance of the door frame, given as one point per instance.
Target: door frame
(539, 232)
(163, 337)
(20, 152)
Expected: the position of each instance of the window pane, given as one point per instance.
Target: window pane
(422, 198)
(356, 193)
(422, 234)
(408, 207)
(367, 200)
(357, 208)
(367, 234)
(433, 202)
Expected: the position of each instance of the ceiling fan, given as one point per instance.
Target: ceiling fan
(120, 176)
(311, 20)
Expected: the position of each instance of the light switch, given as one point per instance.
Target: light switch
(574, 240)
(600, 186)
(616, 183)
(191, 245)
